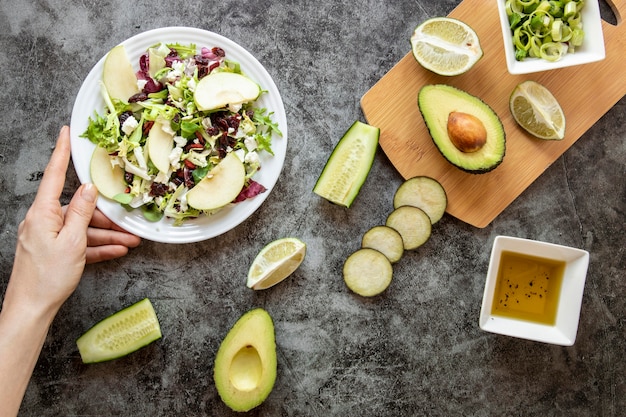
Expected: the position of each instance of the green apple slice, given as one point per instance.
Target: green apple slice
(107, 178)
(160, 144)
(219, 89)
(118, 75)
(220, 186)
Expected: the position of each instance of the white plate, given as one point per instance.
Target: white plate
(89, 100)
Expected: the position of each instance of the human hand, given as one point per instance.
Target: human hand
(105, 239)
(54, 243)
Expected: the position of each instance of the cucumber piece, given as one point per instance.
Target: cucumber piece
(412, 223)
(385, 240)
(348, 165)
(425, 193)
(367, 272)
(120, 334)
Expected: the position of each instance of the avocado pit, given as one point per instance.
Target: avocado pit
(466, 132)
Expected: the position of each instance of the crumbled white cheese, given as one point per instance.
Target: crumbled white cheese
(178, 66)
(177, 71)
(180, 141)
(235, 107)
(251, 143)
(191, 85)
(141, 84)
(173, 75)
(129, 125)
(252, 158)
(175, 157)
(147, 198)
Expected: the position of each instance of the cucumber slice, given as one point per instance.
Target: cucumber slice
(120, 334)
(348, 165)
(367, 272)
(385, 240)
(425, 193)
(412, 223)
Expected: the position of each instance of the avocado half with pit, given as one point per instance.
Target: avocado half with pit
(467, 132)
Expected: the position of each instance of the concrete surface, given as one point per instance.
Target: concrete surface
(415, 350)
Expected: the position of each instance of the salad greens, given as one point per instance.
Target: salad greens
(166, 79)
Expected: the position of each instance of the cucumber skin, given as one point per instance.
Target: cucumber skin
(89, 351)
(370, 136)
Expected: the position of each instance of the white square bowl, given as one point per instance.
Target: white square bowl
(563, 332)
(591, 50)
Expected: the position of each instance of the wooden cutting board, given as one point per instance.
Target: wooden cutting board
(585, 93)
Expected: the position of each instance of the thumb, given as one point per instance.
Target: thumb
(80, 210)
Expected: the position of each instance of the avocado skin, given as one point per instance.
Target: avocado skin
(253, 331)
(467, 103)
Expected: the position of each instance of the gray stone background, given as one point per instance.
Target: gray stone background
(417, 349)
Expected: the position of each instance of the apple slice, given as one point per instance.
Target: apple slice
(118, 75)
(219, 89)
(160, 144)
(107, 178)
(220, 186)
(155, 62)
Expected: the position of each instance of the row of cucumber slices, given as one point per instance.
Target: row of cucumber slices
(419, 203)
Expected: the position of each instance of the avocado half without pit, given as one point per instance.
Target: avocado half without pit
(245, 364)
(466, 131)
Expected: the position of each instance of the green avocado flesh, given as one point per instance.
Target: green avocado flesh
(436, 102)
(245, 364)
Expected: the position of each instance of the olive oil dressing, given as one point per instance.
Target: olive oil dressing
(528, 288)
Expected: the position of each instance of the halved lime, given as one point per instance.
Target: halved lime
(537, 111)
(446, 46)
(275, 262)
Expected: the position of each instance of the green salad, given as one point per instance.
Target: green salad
(168, 77)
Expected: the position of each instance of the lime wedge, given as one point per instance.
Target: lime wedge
(537, 111)
(446, 46)
(276, 261)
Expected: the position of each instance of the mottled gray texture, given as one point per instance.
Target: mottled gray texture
(416, 349)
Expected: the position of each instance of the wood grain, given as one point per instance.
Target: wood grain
(477, 199)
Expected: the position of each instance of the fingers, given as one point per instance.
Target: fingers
(104, 244)
(53, 179)
(101, 221)
(105, 253)
(103, 237)
(80, 211)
